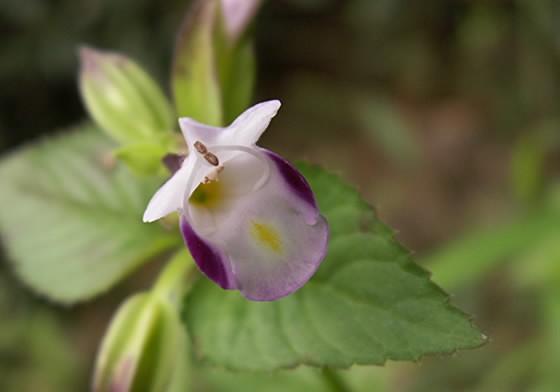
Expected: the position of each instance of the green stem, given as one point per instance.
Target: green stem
(173, 282)
(334, 381)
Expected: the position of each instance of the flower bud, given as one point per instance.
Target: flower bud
(214, 65)
(124, 101)
(144, 349)
(238, 14)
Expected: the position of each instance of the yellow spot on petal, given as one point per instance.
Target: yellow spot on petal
(267, 236)
(207, 195)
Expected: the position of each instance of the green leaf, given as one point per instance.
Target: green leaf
(367, 304)
(194, 78)
(71, 221)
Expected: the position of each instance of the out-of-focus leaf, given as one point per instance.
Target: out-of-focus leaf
(547, 372)
(386, 127)
(514, 369)
(35, 352)
(304, 379)
(367, 304)
(527, 165)
(298, 380)
(367, 378)
(145, 158)
(540, 264)
(469, 257)
(72, 220)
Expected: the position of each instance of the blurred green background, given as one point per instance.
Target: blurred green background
(445, 114)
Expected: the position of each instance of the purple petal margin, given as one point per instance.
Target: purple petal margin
(293, 178)
(210, 261)
(173, 162)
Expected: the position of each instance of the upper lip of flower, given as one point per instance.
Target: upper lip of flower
(220, 144)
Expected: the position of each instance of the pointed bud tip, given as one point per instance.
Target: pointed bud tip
(92, 60)
(122, 380)
(238, 14)
(89, 58)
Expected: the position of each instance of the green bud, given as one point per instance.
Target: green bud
(237, 15)
(122, 98)
(214, 65)
(146, 347)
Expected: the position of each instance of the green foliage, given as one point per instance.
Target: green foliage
(367, 304)
(299, 380)
(386, 127)
(145, 158)
(71, 222)
(527, 163)
(35, 350)
(304, 379)
(477, 252)
(540, 264)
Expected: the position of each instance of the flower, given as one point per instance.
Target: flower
(248, 216)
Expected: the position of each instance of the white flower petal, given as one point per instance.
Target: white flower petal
(273, 251)
(194, 131)
(242, 174)
(272, 240)
(169, 198)
(249, 126)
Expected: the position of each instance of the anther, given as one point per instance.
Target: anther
(211, 159)
(213, 175)
(201, 148)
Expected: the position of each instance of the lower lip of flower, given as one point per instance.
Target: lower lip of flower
(266, 236)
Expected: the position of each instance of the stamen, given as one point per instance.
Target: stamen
(201, 148)
(213, 176)
(211, 159)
